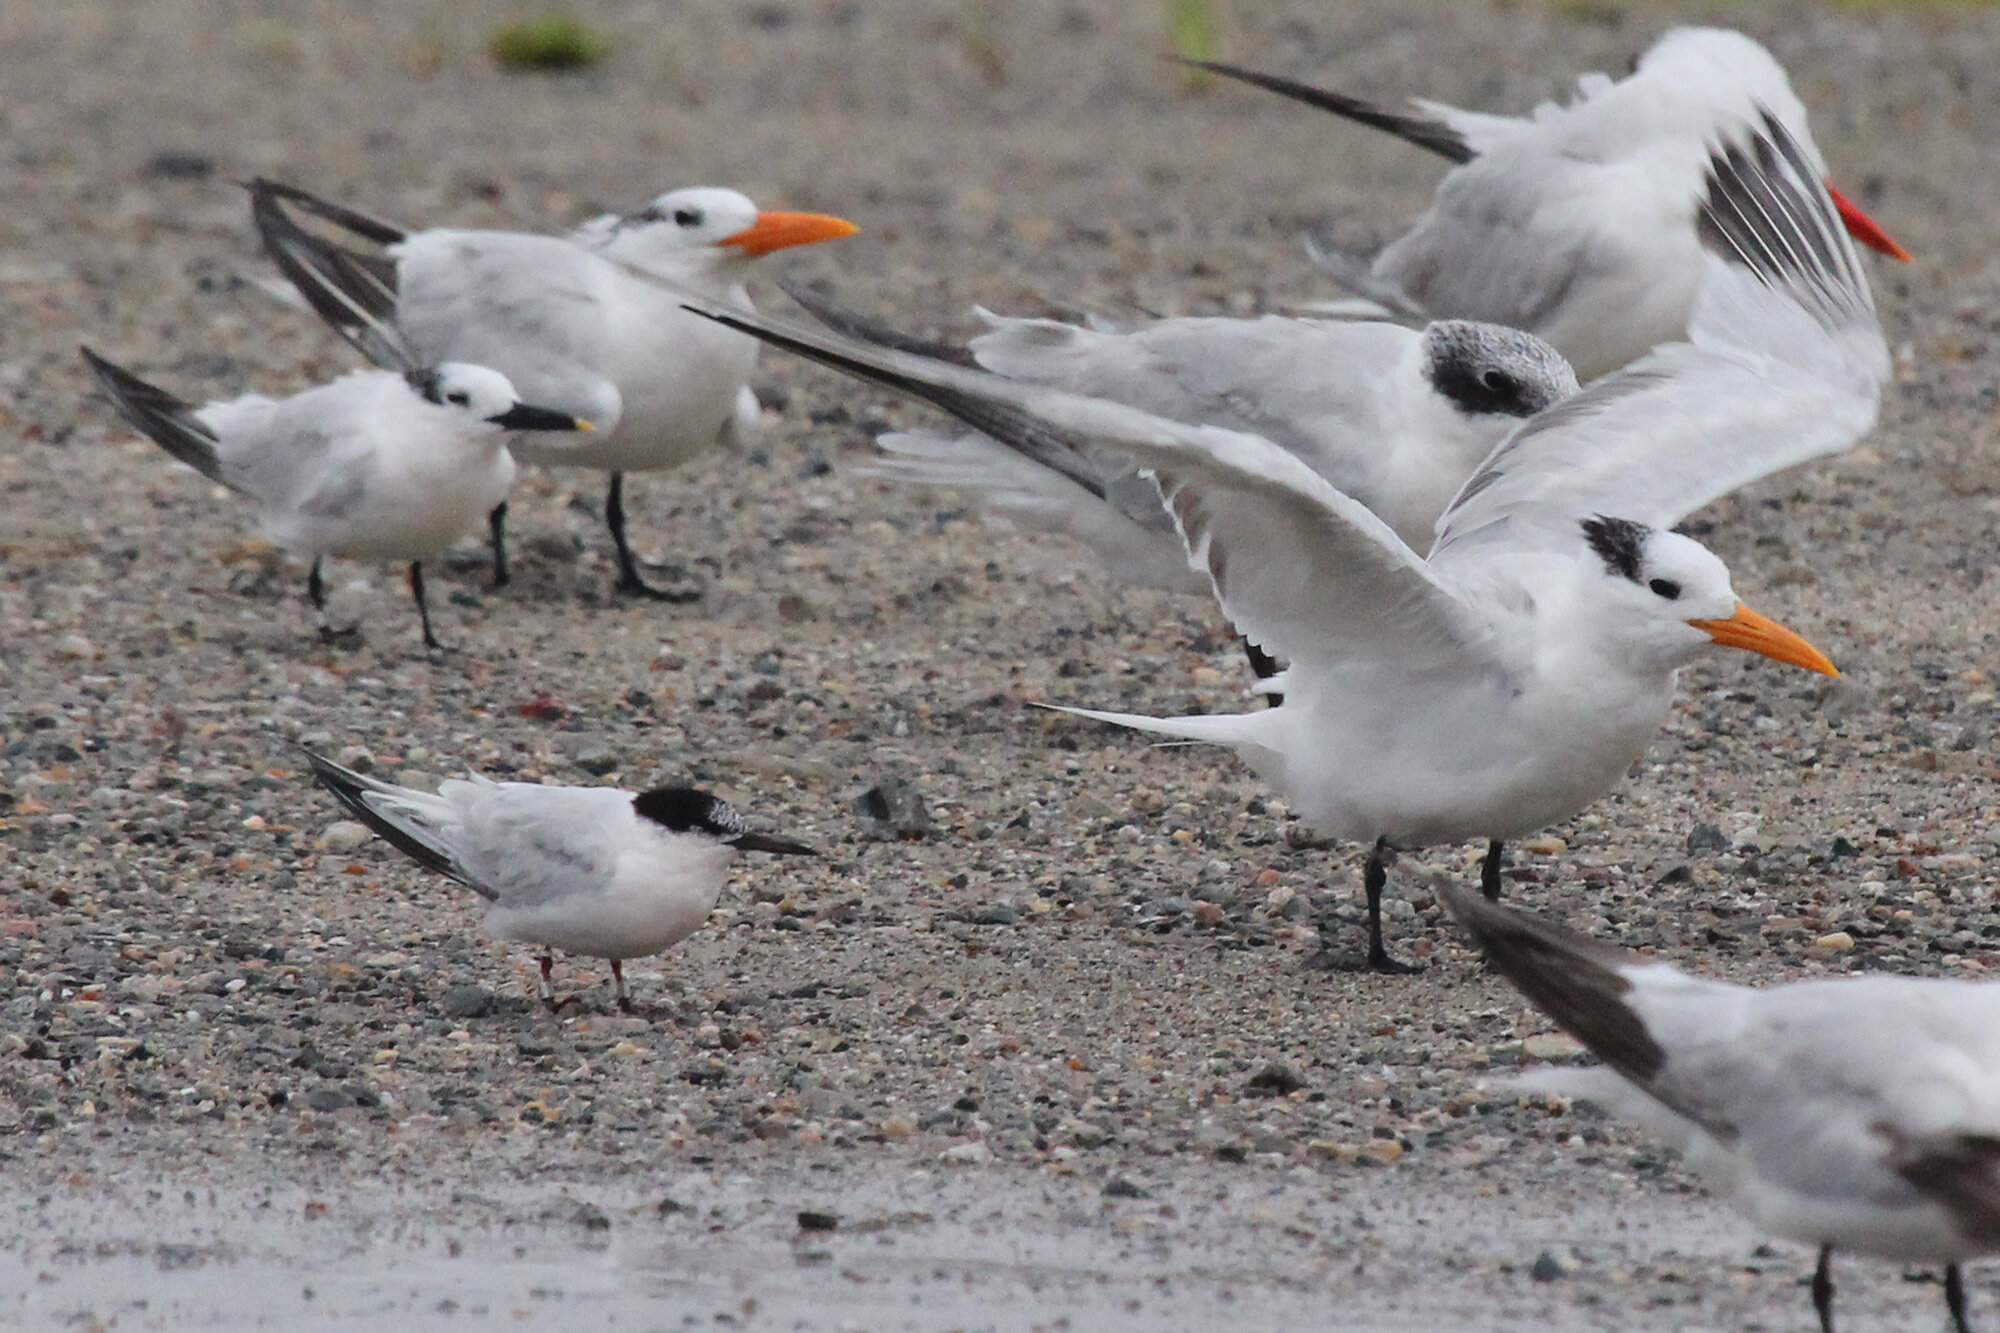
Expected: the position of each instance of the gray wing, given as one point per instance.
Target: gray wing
(528, 306)
(526, 845)
(1299, 567)
(1311, 387)
(308, 455)
(1785, 362)
(353, 291)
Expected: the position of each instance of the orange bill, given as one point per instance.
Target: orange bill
(1864, 228)
(1760, 634)
(779, 231)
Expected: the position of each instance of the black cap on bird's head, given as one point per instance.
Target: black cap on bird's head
(684, 809)
(1491, 370)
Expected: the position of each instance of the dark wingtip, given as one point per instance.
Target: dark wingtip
(1422, 131)
(1575, 980)
(865, 328)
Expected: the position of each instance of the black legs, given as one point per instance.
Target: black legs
(1489, 870)
(1372, 879)
(496, 527)
(1263, 666)
(1822, 1289)
(629, 581)
(618, 983)
(1954, 1298)
(316, 594)
(423, 607)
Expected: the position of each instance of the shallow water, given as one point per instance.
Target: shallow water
(971, 1250)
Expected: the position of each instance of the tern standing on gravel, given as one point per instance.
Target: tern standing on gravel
(591, 870)
(375, 465)
(1858, 1113)
(571, 327)
(1514, 675)
(1577, 222)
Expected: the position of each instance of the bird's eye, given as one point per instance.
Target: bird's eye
(1666, 588)
(687, 217)
(1498, 382)
(459, 396)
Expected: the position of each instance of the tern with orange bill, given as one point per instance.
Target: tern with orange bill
(564, 319)
(1514, 675)
(1576, 223)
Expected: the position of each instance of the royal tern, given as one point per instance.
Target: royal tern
(1577, 222)
(569, 327)
(375, 465)
(1394, 418)
(1858, 1113)
(591, 870)
(1513, 676)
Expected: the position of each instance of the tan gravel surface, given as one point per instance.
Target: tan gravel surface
(1081, 1050)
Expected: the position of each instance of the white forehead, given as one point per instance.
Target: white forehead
(487, 391)
(706, 199)
(1669, 555)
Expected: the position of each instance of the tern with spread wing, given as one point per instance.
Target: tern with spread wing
(1859, 1113)
(568, 325)
(377, 465)
(590, 870)
(1512, 677)
(1577, 222)
(1394, 418)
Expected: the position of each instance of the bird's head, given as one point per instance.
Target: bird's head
(1492, 372)
(713, 224)
(1669, 598)
(483, 394)
(692, 812)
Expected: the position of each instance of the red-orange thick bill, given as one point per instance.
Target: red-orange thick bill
(1760, 634)
(1864, 228)
(780, 231)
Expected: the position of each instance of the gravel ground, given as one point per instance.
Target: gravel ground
(1075, 1051)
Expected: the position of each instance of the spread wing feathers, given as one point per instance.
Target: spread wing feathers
(1297, 564)
(1358, 276)
(866, 328)
(1785, 362)
(371, 229)
(1425, 132)
(354, 293)
(1586, 986)
(398, 815)
(163, 418)
(1766, 210)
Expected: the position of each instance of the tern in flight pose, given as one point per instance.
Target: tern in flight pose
(1578, 222)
